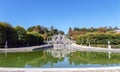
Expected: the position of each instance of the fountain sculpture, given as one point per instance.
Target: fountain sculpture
(6, 44)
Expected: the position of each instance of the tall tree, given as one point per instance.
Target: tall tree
(70, 31)
(76, 29)
(55, 31)
(7, 33)
(52, 30)
(61, 32)
(30, 29)
(37, 28)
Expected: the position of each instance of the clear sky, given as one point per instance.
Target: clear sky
(61, 14)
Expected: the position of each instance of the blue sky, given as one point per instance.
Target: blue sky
(61, 14)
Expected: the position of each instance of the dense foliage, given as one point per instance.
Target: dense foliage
(99, 38)
(7, 33)
(95, 36)
(44, 30)
(21, 35)
(81, 31)
(34, 38)
(18, 36)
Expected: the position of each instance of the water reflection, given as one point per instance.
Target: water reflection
(5, 54)
(59, 53)
(109, 55)
(59, 58)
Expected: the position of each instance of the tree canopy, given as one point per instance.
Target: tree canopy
(19, 36)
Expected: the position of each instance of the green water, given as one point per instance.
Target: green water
(58, 59)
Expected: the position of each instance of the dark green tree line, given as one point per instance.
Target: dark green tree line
(17, 36)
(7, 33)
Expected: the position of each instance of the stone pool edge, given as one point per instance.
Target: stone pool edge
(26, 49)
(96, 69)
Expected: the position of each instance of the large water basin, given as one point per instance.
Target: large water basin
(59, 58)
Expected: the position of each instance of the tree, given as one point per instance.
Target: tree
(7, 33)
(61, 32)
(55, 31)
(30, 29)
(34, 38)
(76, 29)
(44, 36)
(2, 34)
(101, 29)
(37, 28)
(70, 31)
(52, 30)
(45, 30)
(21, 35)
(116, 28)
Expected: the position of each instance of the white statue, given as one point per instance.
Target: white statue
(6, 46)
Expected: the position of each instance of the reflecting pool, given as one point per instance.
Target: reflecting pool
(59, 58)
